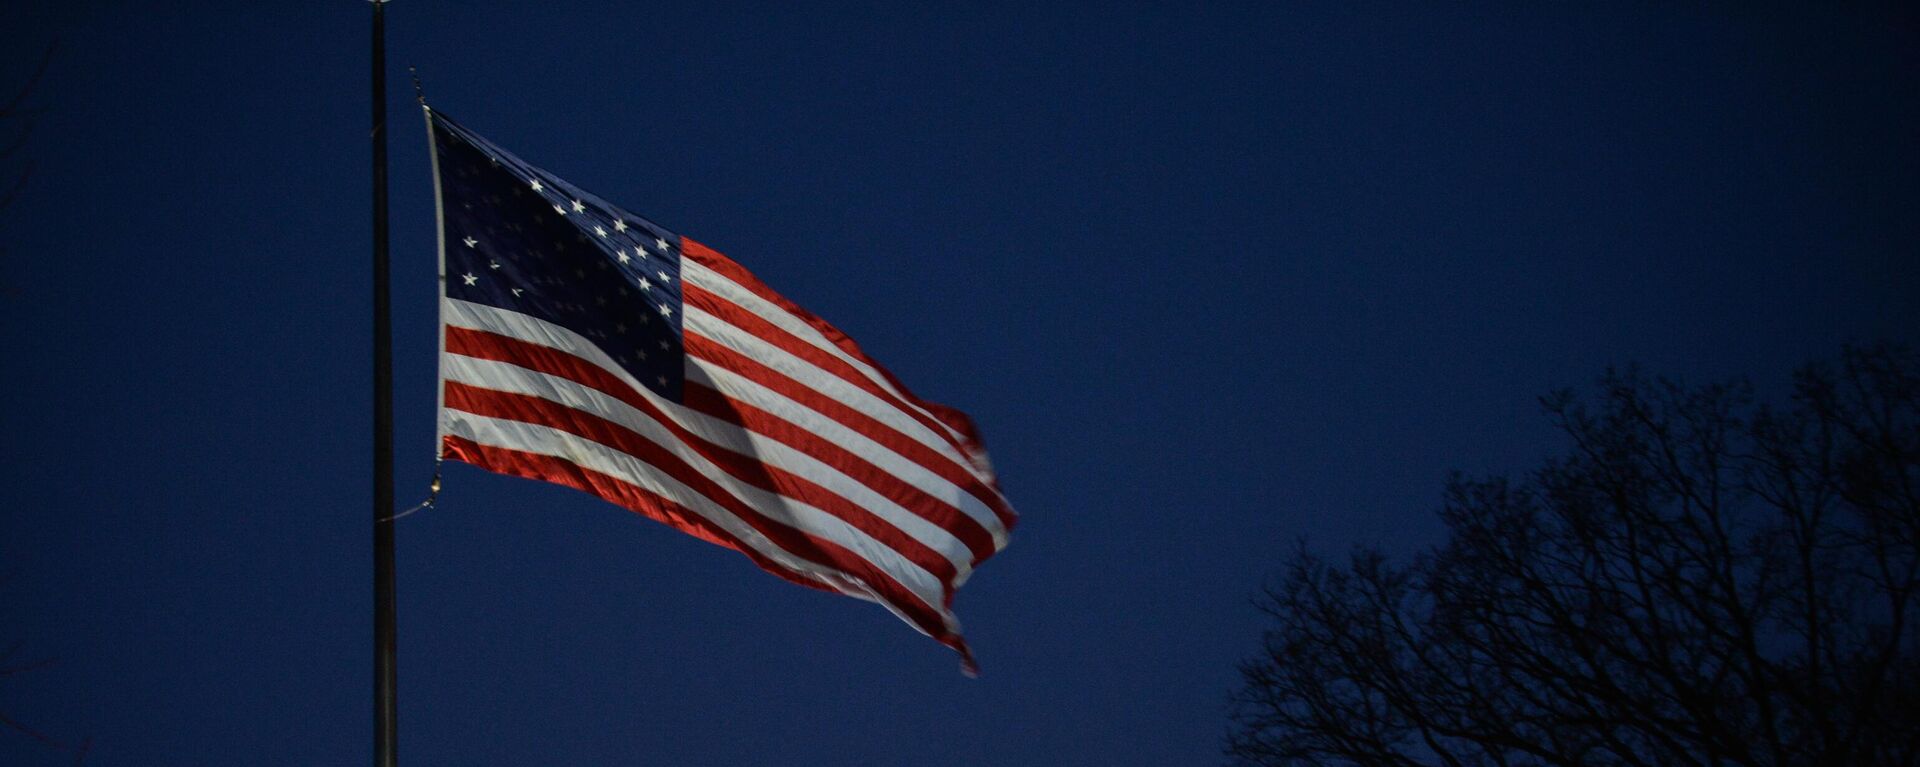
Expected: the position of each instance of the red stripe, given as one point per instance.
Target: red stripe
(654, 506)
(492, 346)
(780, 383)
(801, 543)
(664, 510)
(623, 494)
(759, 327)
(718, 262)
(947, 516)
(530, 409)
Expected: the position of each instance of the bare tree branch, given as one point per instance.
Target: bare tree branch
(1699, 581)
(15, 104)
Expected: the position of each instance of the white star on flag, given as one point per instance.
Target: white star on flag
(750, 422)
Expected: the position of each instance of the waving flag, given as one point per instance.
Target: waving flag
(589, 347)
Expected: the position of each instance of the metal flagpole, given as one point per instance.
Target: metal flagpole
(386, 721)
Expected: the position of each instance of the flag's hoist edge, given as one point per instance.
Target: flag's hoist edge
(783, 440)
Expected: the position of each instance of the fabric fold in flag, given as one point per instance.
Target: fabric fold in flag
(589, 347)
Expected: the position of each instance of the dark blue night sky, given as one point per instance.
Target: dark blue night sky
(1210, 278)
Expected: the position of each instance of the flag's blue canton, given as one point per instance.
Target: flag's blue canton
(521, 239)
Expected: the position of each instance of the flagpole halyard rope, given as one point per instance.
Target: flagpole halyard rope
(433, 495)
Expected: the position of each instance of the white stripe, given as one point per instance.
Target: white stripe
(536, 331)
(553, 443)
(591, 455)
(507, 377)
(713, 328)
(742, 389)
(788, 511)
(694, 272)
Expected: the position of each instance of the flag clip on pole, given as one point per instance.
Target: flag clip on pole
(386, 752)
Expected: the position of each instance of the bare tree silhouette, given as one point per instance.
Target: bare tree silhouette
(18, 121)
(78, 749)
(1700, 581)
(16, 126)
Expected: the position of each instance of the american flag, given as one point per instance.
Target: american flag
(589, 347)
